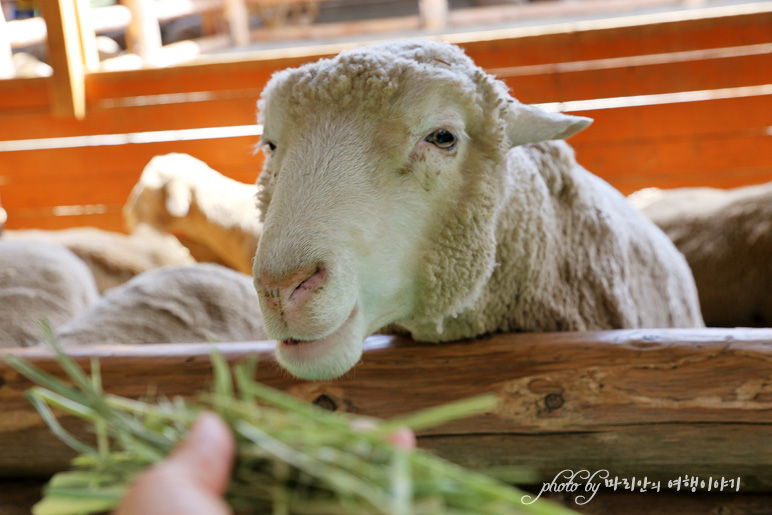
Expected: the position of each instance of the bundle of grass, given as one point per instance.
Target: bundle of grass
(292, 457)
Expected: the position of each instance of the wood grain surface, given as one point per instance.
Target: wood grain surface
(654, 403)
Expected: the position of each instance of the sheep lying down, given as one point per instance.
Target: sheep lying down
(726, 237)
(40, 280)
(403, 185)
(112, 257)
(172, 304)
(214, 216)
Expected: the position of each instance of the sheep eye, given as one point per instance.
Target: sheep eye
(271, 145)
(442, 139)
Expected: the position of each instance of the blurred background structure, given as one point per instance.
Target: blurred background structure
(681, 90)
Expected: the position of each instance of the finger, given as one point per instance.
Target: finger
(207, 453)
(164, 490)
(191, 480)
(403, 438)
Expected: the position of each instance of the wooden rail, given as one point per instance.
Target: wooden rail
(653, 403)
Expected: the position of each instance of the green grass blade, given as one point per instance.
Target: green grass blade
(100, 425)
(244, 374)
(55, 505)
(48, 417)
(400, 475)
(345, 482)
(435, 416)
(223, 382)
(44, 379)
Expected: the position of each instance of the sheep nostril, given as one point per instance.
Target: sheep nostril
(312, 282)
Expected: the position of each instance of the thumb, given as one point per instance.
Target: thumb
(191, 480)
(206, 454)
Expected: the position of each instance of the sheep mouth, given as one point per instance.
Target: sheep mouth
(293, 341)
(297, 343)
(327, 357)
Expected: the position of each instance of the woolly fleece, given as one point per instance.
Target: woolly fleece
(174, 304)
(726, 236)
(113, 257)
(40, 280)
(214, 216)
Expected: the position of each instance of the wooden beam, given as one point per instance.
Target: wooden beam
(669, 31)
(106, 174)
(24, 95)
(143, 36)
(500, 50)
(337, 29)
(434, 14)
(171, 9)
(18, 496)
(481, 15)
(186, 50)
(237, 18)
(88, 47)
(110, 18)
(26, 32)
(641, 75)
(655, 403)
(220, 107)
(45, 219)
(66, 58)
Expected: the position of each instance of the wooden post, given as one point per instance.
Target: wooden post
(238, 21)
(90, 54)
(434, 14)
(143, 36)
(6, 62)
(66, 58)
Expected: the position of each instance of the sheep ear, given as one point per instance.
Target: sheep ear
(529, 124)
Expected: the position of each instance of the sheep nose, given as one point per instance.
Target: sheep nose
(292, 290)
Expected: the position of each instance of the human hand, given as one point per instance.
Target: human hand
(192, 480)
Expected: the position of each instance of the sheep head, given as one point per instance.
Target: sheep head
(379, 194)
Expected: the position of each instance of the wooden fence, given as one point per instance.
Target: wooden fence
(681, 98)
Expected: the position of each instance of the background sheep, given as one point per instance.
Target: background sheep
(114, 258)
(39, 280)
(214, 216)
(176, 304)
(726, 237)
(404, 185)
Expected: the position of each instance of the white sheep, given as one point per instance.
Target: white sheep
(726, 236)
(173, 304)
(39, 280)
(113, 257)
(213, 215)
(403, 185)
